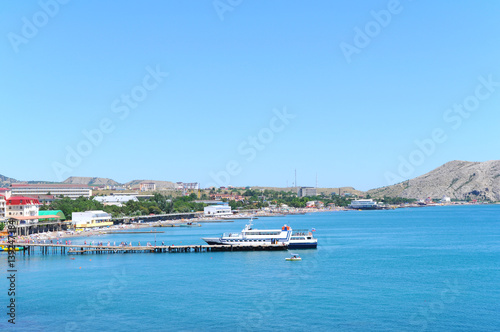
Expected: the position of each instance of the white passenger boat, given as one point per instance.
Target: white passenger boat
(254, 237)
(258, 237)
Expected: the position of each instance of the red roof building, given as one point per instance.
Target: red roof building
(21, 206)
(21, 200)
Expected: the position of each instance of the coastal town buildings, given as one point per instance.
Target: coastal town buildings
(147, 186)
(109, 187)
(89, 219)
(44, 199)
(20, 206)
(217, 210)
(229, 197)
(306, 191)
(187, 186)
(66, 190)
(315, 204)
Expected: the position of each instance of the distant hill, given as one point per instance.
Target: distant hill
(456, 179)
(159, 184)
(91, 181)
(6, 182)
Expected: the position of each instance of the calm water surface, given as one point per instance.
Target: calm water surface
(422, 269)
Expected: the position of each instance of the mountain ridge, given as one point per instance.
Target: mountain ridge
(91, 181)
(456, 179)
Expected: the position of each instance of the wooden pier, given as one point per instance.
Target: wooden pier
(46, 249)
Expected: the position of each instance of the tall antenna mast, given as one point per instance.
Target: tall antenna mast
(296, 178)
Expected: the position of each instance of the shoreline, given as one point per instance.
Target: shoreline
(58, 235)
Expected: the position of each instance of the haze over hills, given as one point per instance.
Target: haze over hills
(6, 181)
(455, 179)
(91, 181)
(110, 182)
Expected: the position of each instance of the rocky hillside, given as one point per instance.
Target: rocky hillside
(91, 181)
(456, 179)
(6, 182)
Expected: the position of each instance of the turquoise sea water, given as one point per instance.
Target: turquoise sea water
(421, 269)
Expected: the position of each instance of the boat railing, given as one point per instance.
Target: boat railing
(232, 235)
(299, 232)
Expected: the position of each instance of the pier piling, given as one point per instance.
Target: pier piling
(63, 249)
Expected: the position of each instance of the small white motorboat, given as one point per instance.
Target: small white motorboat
(294, 257)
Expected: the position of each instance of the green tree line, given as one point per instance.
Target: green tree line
(158, 204)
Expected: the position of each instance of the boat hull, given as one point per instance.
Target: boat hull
(212, 241)
(304, 245)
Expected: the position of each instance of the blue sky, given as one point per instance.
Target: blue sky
(353, 117)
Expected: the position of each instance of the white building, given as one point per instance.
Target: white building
(117, 200)
(311, 204)
(5, 192)
(187, 186)
(217, 210)
(306, 191)
(363, 204)
(67, 190)
(89, 219)
(148, 186)
(3, 207)
(445, 199)
(19, 206)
